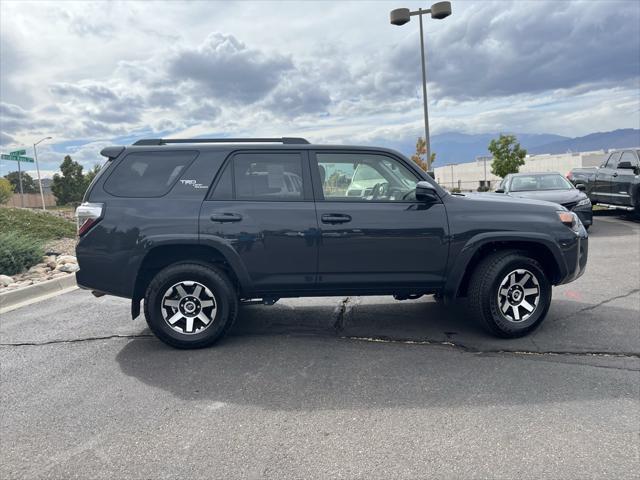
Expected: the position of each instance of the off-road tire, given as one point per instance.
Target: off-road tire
(226, 301)
(484, 288)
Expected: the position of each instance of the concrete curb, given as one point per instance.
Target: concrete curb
(36, 292)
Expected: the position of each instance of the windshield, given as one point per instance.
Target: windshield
(524, 183)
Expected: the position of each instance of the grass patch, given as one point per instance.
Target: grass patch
(35, 224)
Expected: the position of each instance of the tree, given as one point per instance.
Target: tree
(421, 152)
(28, 185)
(91, 174)
(508, 156)
(6, 190)
(70, 186)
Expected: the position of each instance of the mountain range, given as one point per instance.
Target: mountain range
(462, 148)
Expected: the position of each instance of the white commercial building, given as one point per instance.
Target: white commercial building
(470, 176)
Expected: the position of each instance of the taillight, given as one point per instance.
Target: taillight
(88, 214)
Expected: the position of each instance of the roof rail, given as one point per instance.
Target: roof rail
(164, 141)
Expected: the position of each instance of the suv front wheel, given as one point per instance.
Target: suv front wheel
(509, 293)
(190, 305)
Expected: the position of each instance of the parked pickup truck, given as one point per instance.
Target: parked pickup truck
(615, 183)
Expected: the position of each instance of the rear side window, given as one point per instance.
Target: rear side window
(629, 158)
(148, 174)
(263, 177)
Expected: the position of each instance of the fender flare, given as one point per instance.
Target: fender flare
(462, 259)
(222, 246)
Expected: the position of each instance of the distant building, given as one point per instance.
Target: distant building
(46, 185)
(473, 175)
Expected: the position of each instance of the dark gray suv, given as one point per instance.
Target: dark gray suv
(197, 227)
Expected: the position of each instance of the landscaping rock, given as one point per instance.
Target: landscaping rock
(64, 259)
(40, 269)
(69, 267)
(5, 280)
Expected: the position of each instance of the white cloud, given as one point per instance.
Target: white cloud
(332, 71)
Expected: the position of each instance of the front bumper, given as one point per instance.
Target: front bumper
(585, 213)
(575, 253)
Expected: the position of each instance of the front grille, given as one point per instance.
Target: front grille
(570, 205)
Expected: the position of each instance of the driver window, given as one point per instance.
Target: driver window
(613, 160)
(365, 177)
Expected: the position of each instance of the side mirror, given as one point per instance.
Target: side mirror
(499, 190)
(581, 186)
(426, 193)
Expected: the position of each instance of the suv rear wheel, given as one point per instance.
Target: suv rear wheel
(509, 293)
(190, 305)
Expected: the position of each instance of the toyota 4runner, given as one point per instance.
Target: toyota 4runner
(197, 227)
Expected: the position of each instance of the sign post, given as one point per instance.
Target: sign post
(18, 156)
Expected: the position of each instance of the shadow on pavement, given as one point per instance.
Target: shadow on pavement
(270, 360)
(318, 373)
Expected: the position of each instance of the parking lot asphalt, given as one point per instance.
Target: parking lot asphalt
(333, 387)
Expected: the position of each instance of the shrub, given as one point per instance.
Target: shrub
(6, 190)
(18, 252)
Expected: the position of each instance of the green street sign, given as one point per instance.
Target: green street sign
(18, 153)
(16, 158)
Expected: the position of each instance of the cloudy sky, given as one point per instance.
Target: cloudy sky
(96, 73)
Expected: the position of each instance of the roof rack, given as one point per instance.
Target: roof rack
(164, 141)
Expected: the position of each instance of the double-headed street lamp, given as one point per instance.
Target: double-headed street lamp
(400, 16)
(35, 154)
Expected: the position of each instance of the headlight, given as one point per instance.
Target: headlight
(584, 201)
(570, 219)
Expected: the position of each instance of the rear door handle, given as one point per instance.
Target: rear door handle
(335, 218)
(226, 217)
(614, 174)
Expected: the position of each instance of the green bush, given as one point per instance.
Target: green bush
(6, 190)
(18, 252)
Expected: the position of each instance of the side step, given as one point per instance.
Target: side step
(615, 207)
(259, 301)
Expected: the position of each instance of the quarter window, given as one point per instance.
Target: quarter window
(365, 177)
(148, 174)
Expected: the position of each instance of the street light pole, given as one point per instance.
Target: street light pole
(20, 183)
(400, 16)
(35, 154)
(424, 95)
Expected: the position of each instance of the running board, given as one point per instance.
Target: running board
(259, 301)
(615, 207)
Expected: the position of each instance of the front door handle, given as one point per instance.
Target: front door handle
(335, 218)
(614, 174)
(226, 217)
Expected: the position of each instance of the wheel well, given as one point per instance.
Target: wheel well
(161, 257)
(535, 250)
